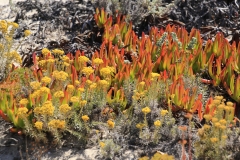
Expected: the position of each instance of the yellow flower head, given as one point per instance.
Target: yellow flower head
(218, 97)
(206, 127)
(110, 124)
(70, 88)
(27, 33)
(89, 82)
(64, 108)
(37, 110)
(140, 125)
(66, 64)
(103, 83)
(65, 58)
(22, 111)
(146, 110)
(45, 51)
(74, 99)
(208, 117)
(98, 61)
(36, 94)
(223, 121)
(83, 59)
(50, 60)
(23, 101)
(224, 137)
(38, 125)
(216, 102)
(102, 144)
(85, 118)
(222, 127)
(35, 85)
(62, 76)
(42, 62)
(155, 75)
(230, 104)
(105, 71)
(213, 140)
(15, 25)
(58, 94)
(157, 123)
(58, 52)
(83, 102)
(77, 82)
(47, 108)
(56, 123)
(46, 80)
(93, 86)
(87, 70)
(45, 90)
(3, 26)
(81, 89)
(163, 112)
(217, 124)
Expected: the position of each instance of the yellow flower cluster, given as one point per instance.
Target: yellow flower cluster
(70, 88)
(66, 64)
(102, 144)
(44, 90)
(35, 85)
(98, 61)
(214, 140)
(157, 123)
(27, 33)
(58, 52)
(36, 94)
(3, 26)
(140, 125)
(47, 108)
(15, 25)
(64, 108)
(155, 75)
(77, 82)
(60, 75)
(42, 62)
(93, 86)
(83, 59)
(87, 70)
(58, 94)
(56, 123)
(146, 110)
(85, 118)
(65, 58)
(81, 90)
(163, 112)
(74, 99)
(89, 82)
(14, 55)
(103, 83)
(106, 71)
(83, 103)
(46, 80)
(22, 111)
(38, 125)
(110, 124)
(137, 95)
(50, 60)
(23, 101)
(45, 51)
(142, 84)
